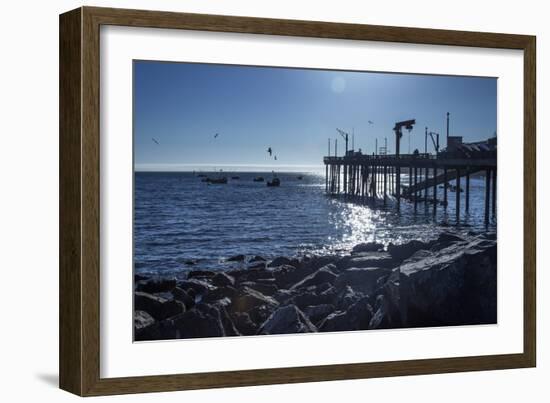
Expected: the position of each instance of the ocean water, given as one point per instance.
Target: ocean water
(178, 219)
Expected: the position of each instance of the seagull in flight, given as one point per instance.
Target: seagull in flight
(370, 122)
(216, 135)
(156, 142)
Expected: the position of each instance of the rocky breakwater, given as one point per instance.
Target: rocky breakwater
(448, 281)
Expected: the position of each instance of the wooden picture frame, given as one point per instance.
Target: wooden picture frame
(79, 346)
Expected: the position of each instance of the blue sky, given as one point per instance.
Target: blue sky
(294, 111)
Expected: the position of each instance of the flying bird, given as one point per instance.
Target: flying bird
(156, 142)
(216, 135)
(370, 122)
(270, 151)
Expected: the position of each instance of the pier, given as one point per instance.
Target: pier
(368, 178)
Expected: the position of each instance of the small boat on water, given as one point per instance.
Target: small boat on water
(274, 182)
(300, 177)
(218, 181)
(258, 179)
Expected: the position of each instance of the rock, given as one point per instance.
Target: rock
(316, 313)
(200, 274)
(367, 247)
(183, 296)
(190, 262)
(266, 289)
(280, 261)
(386, 316)
(453, 286)
(244, 324)
(282, 296)
(222, 280)
(257, 258)
(236, 258)
(406, 250)
(142, 320)
(220, 293)
(159, 308)
(218, 310)
(249, 299)
(356, 317)
(163, 330)
(287, 320)
(257, 273)
(367, 259)
(323, 275)
(347, 297)
(156, 285)
(361, 279)
(310, 298)
(200, 287)
(198, 323)
(257, 265)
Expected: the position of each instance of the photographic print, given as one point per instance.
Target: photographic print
(273, 200)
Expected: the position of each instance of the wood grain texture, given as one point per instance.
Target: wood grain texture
(70, 275)
(80, 200)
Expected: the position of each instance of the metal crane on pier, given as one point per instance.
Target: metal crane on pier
(346, 138)
(398, 129)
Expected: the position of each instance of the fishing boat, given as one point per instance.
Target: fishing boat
(258, 179)
(274, 182)
(218, 181)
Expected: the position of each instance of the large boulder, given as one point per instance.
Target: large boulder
(356, 317)
(363, 279)
(156, 285)
(236, 258)
(287, 320)
(265, 288)
(367, 247)
(143, 324)
(199, 287)
(303, 300)
(366, 259)
(220, 293)
(158, 307)
(222, 280)
(456, 285)
(249, 299)
(324, 275)
(406, 250)
(316, 313)
(218, 310)
(184, 297)
(280, 261)
(244, 323)
(198, 323)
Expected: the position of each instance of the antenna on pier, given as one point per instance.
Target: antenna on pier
(329, 147)
(336, 147)
(353, 138)
(376, 146)
(345, 136)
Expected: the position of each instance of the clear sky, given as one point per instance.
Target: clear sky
(294, 111)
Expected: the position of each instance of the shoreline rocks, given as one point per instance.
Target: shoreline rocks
(448, 281)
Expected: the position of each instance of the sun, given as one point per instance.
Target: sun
(338, 84)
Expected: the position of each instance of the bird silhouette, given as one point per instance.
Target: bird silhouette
(156, 142)
(370, 122)
(270, 151)
(216, 135)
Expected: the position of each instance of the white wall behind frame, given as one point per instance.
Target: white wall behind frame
(29, 206)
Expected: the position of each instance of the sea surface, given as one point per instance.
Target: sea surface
(182, 223)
